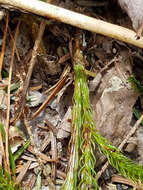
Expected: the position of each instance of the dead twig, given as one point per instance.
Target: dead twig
(30, 70)
(132, 131)
(8, 100)
(16, 50)
(54, 155)
(3, 46)
(51, 127)
(60, 84)
(79, 20)
(2, 153)
(42, 156)
(23, 172)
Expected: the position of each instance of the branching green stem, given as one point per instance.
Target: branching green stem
(85, 137)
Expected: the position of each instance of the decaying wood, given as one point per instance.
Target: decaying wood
(79, 20)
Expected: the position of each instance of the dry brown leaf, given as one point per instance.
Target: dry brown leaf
(113, 113)
(134, 9)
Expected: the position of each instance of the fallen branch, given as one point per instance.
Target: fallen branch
(79, 20)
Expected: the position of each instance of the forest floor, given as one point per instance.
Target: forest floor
(116, 105)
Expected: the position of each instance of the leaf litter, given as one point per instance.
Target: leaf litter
(112, 97)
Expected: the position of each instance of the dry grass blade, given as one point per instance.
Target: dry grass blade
(8, 103)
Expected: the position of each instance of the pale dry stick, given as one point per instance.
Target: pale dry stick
(42, 156)
(61, 174)
(66, 70)
(23, 171)
(45, 143)
(24, 157)
(30, 70)
(2, 153)
(54, 155)
(132, 131)
(76, 19)
(8, 99)
(108, 64)
(16, 50)
(3, 46)
(32, 166)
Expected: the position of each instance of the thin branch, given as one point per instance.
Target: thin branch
(3, 46)
(79, 20)
(23, 171)
(57, 88)
(16, 50)
(54, 156)
(8, 101)
(30, 70)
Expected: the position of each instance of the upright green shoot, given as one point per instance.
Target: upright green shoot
(85, 137)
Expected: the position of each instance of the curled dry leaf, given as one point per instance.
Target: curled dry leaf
(15, 138)
(14, 132)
